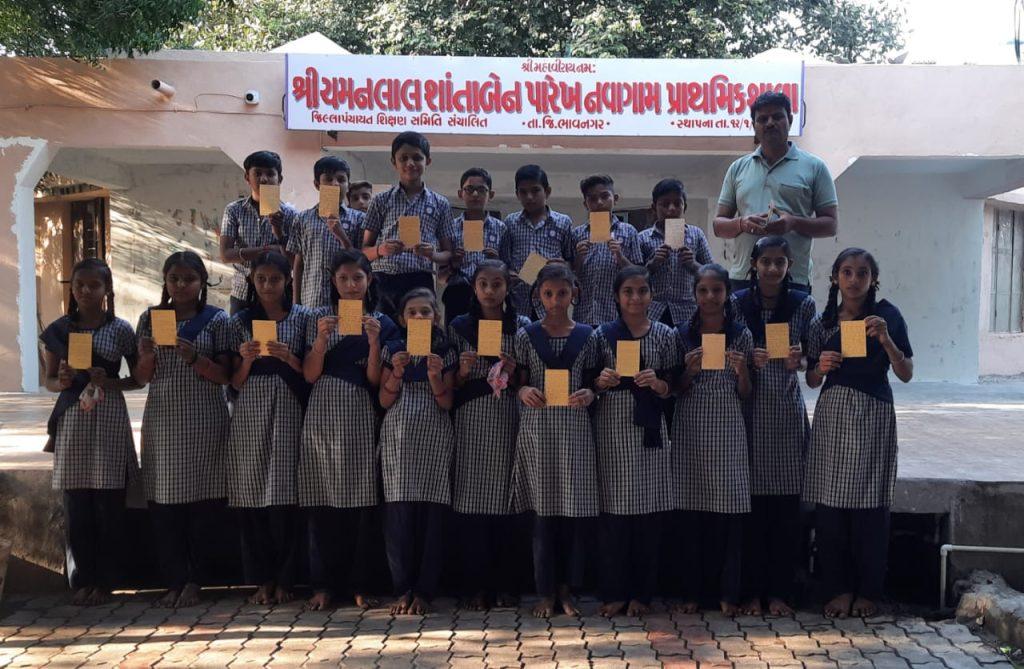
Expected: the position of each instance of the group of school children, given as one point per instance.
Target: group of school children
(325, 427)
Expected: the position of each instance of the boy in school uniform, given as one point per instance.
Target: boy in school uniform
(359, 195)
(534, 229)
(396, 268)
(598, 263)
(673, 271)
(316, 239)
(244, 233)
(475, 191)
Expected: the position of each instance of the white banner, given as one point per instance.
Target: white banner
(532, 96)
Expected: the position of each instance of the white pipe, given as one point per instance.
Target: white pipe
(163, 88)
(946, 549)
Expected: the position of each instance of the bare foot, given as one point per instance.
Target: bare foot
(364, 602)
(420, 606)
(688, 606)
(283, 595)
(169, 600)
(189, 596)
(752, 607)
(477, 602)
(81, 597)
(545, 608)
(779, 607)
(839, 606)
(506, 600)
(320, 601)
(612, 609)
(99, 597)
(401, 606)
(637, 608)
(264, 595)
(863, 608)
(567, 601)
(729, 609)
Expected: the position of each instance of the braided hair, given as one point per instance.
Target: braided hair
(719, 273)
(189, 260)
(101, 268)
(509, 318)
(830, 317)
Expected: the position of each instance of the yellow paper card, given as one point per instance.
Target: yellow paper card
(418, 342)
(777, 339)
(556, 387)
(264, 332)
(409, 230)
(488, 341)
(80, 350)
(534, 264)
(675, 232)
(350, 317)
(270, 199)
(854, 339)
(165, 326)
(627, 357)
(330, 200)
(714, 351)
(600, 226)
(473, 235)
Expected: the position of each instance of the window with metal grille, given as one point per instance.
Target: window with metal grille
(1007, 271)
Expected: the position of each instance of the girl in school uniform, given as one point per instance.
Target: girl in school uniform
(486, 419)
(185, 425)
(709, 448)
(90, 434)
(338, 452)
(778, 429)
(554, 473)
(266, 426)
(851, 464)
(416, 441)
(634, 456)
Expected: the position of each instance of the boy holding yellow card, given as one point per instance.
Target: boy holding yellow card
(596, 263)
(536, 229)
(478, 236)
(397, 266)
(709, 443)
(245, 232)
(321, 231)
(778, 317)
(637, 356)
(673, 268)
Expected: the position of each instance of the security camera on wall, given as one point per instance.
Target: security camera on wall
(252, 97)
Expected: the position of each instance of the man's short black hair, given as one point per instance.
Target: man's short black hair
(410, 138)
(771, 99)
(330, 165)
(265, 159)
(359, 185)
(596, 180)
(532, 173)
(668, 187)
(476, 172)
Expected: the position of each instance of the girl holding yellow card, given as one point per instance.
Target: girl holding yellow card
(416, 442)
(266, 426)
(777, 317)
(851, 464)
(338, 452)
(486, 419)
(709, 444)
(185, 424)
(634, 457)
(90, 434)
(554, 473)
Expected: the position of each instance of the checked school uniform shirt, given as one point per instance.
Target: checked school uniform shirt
(386, 208)
(495, 237)
(242, 221)
(671, 282)
(551, 238)
(596, 276)
(313, 240)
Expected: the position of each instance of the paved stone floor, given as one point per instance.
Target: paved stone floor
(226, 631)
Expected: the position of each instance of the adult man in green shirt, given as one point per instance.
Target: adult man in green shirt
(796, 182)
